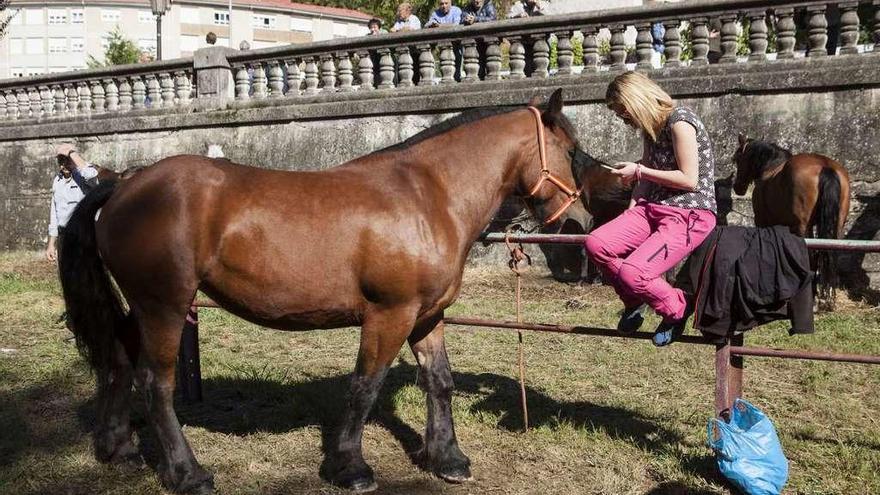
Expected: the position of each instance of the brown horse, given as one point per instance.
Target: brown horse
(378, 242)
(800, 191)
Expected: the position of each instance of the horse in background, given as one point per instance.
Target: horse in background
(379, 242)
(807, 192)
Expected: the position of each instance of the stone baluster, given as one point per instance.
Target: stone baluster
(85, 97)
(700, 41)
(328, 73)
(60, 99)
(386, 69)
(311, 78)
(72, 98)
(564, 53)
(2, 105)
(98, 96)
(12, 105)
(294, 78)
(541, 57)
(644, 45)
(182, 88)
(242, 83)
(618, 47)
(34, 101)
(346, 72)
(447, 63)
(849, 28)
(404, 67)
(126, 95)
(154, 91)
(591, 50)
(672, 43)
(365, 71)
(785, 33)
(261, 86)
(818, 31)
(276, 80)
(493, 59)
(757, 36)
(426, 65)
(166, 87)
(728, 38)
(876, 33)
(111, 95)
(138, 93)
(517, 58)
(471, 61)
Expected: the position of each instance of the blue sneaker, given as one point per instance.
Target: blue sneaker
(631, 318)
(668, 331)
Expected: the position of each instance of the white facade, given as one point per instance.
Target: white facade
(58, 36)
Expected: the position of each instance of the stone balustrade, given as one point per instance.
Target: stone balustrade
(405, 63)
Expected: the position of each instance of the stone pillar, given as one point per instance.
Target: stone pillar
(215, 85)
(757, 37)
(728, 39)
(700, 41)
(818, 24)
(564, 53)
(591, 50)
(644, 46)
(785, 33)
(618, 48)
(849, 28)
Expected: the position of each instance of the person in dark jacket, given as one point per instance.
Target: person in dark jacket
(742, 277)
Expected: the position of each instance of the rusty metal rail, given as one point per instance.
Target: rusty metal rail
(729, 352)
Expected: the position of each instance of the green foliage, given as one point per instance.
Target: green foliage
(577, 48)
(6, 19)
(120, 51)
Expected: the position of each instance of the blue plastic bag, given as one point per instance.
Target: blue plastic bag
(748, 451)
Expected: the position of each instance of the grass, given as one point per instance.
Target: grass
(608, 416)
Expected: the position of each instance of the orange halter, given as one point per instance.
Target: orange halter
(547, 175)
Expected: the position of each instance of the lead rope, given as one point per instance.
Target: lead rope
(517, 256)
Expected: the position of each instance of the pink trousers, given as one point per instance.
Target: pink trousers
(637, 248)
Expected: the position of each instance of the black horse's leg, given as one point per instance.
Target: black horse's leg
(113, 431)
(383, 333)
(160, 339)
(442, 454)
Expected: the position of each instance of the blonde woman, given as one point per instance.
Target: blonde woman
(672, 209)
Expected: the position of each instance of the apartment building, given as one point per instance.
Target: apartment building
(59, 35)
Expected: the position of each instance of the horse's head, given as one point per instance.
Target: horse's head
(546, 174)
(745, 168)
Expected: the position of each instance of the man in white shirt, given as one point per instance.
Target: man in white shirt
(406, 21)
(74, 179)
(528, 8)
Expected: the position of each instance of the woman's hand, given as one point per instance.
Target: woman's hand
(627, 171)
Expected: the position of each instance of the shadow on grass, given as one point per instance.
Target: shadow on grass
(243, 406)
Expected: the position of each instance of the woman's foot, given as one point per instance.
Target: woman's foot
(631, 318)
(668, 331)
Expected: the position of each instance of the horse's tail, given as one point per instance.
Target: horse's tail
(827, 219)
(94, 309)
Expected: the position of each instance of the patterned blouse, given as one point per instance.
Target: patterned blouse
(661, 156)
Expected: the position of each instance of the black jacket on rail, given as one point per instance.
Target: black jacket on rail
(742, 277)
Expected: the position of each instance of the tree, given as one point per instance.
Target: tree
(4, 5)
(120, 51)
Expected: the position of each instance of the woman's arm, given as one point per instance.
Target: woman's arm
(684, 142)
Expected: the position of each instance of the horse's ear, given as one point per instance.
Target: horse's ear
(554, 107)
(743, 139)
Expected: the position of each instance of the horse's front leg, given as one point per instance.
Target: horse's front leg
(442, 454)
(383, 333)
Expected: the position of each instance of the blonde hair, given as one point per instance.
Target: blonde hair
(645, 101)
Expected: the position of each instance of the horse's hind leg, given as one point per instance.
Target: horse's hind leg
(442, 454)
(160, 330)
(113, 431)
(383, 333)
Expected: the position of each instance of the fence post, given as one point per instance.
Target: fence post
(215, 85)
(188, 365)
(735, 375)
(722, 379)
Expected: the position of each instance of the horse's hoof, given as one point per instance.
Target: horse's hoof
(357, 481)
(454, 471)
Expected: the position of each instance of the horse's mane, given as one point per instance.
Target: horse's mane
(449, 124)
(763, 154)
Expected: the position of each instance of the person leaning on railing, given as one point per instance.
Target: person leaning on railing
(528, 8)
(406, 21)
(478, 11)
(74, 179)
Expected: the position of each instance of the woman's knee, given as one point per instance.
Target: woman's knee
(594, 246)
(632, 277)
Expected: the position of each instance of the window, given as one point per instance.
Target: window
(33, 45)
(77, 16)
(297, 24)
(261, 21)
(16, 46)
(17, 17)
(189, 15)
(17, 72)
(146, 17)
(35, 71)
(110, 15)
(147, 45)
(221, 18)
(57, 45)
(189, 43)
(57, 16)
(33, 16)
(77, 44)
(105, 42)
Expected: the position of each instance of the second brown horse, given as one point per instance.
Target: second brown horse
(378, 242)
